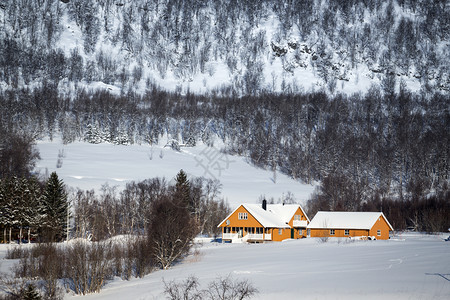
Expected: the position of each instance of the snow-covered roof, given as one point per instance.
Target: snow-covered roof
(285, 211)
(267, 218)
(345, 220)
(276, 215)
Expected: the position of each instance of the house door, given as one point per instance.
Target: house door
(292, 233)
(240, 232)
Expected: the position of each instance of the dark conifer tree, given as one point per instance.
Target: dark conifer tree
(182, 191)
(31, 293)
(55, 209)
(9, 207)
(3, 208)
(33, 206)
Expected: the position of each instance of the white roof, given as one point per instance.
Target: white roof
(345, 220)
(276, 215)
(267, 218)
(285, 211)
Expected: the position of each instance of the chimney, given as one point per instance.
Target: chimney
(264, 204)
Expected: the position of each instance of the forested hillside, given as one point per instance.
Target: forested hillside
(245, 47)
(353, 94)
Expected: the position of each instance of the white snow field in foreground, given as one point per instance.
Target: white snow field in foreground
(405, 267)
(89, 166)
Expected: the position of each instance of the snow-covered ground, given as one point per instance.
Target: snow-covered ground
(408, 266)
(89, 166)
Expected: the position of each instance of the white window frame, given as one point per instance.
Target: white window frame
(347, 232)
(280, 231)
(332, 232)
(378, 232)
(242, 216)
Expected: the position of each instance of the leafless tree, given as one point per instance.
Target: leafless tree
(186, 290)
(171, 231)
(225, 288)
(222, 288)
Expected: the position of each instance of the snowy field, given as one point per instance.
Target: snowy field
(409, 266)
(401, 268)
(89, 166)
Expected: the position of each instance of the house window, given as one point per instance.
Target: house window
(379, 232)
(280, 231)
(242, 216)
(297, 217)
(300, 231)
(331, 231)
(346, 232)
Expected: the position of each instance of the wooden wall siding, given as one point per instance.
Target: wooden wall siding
(338, 232)
(285, 234)
(235, 222)
(297, 212)
(299, 235)
(382, 225)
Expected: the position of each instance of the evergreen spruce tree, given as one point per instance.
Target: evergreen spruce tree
(30, 293)
(55, 209)
(21, 200)
(33, 206)
(3, 207)
(9, 210)
(182, 191)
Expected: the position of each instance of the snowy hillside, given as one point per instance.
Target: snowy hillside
(89, 166)
(243, 47)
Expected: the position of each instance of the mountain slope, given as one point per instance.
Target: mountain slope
(238, 46)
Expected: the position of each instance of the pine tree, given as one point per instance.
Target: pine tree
(30, 293)
(8, 205)
(34, 206)
(182, 190)
(55, 208)
(3, 207)
(21, 199)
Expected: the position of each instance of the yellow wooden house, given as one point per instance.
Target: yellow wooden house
(266, 222)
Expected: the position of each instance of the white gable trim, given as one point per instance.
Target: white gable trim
(389, 224)
(224, 220)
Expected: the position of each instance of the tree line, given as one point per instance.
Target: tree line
(150, 226)
(40, 208)
(387, 142)
(131, 211)
(423, 214)
(48, 212)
